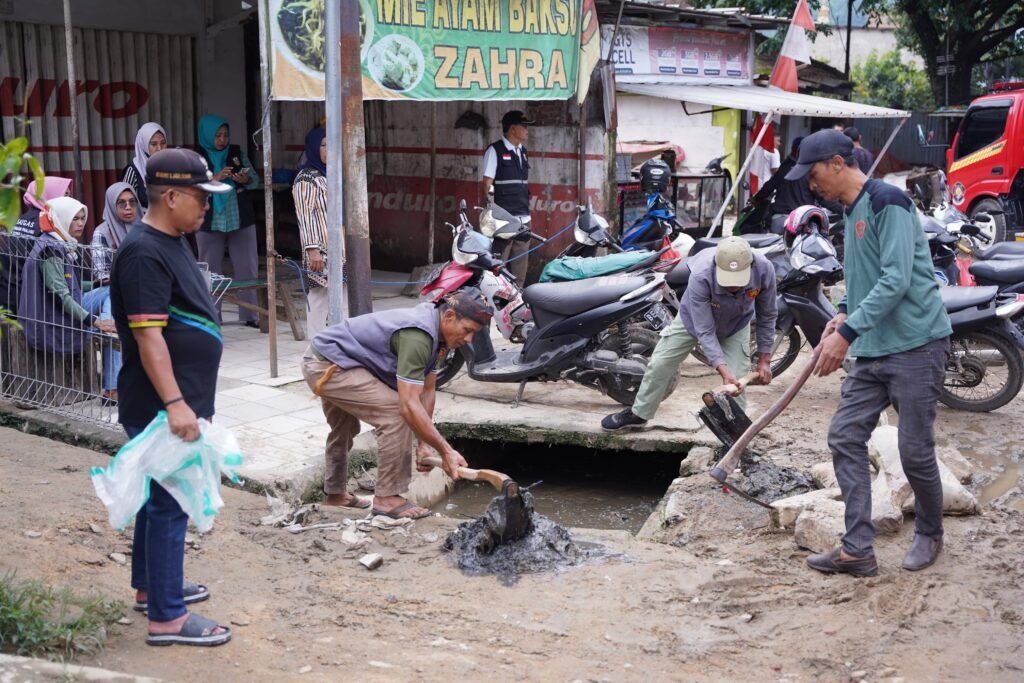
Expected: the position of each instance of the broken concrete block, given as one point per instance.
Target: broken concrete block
(785, 512)
(372, 561)
(820, 527)
(824, 475)
(698, 461)
(960, 466)
(886, 504)
(674, 511)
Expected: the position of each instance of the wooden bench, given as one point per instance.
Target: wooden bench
(285, 306)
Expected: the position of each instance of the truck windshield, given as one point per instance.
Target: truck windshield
(981, 126)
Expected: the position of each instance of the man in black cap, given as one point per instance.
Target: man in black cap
(171, 345)
(865, 159)
(788, 194)
(894, 324)
(506, 170)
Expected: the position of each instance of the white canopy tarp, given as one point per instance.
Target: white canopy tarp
(756, 98)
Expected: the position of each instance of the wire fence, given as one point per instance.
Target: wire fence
(58, 350)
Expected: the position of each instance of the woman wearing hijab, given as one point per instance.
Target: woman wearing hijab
(150, 139)
(231, 222)
(15, 246)
(119, 215)
(57, 304)
(310, 193)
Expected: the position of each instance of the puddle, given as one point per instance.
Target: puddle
(475, 548)
(581, 487)
(1006, 470)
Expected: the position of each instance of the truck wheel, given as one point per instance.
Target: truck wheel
(999, 232)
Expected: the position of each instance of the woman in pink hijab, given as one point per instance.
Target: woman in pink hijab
(16, 245)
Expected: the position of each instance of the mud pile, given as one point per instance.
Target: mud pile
(768, 482)
(477, 549)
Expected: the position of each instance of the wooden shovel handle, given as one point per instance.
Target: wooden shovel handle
(727, 464)
(749, 378)
(495, 479)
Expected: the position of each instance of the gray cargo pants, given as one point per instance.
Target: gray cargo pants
(910, 382)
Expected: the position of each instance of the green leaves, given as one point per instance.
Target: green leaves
(886, 81)
(13, 158)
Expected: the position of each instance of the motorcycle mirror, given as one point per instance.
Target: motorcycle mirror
(462, 205)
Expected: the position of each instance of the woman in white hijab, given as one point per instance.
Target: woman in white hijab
(150, 139)
(59, 299)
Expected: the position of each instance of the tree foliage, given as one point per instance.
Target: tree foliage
(885, 81)
(13, 159)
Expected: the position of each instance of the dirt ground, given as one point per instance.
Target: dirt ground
(736, 604)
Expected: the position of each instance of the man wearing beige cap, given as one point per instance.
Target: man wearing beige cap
(727, 286)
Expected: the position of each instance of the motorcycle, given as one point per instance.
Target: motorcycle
(573, 330)
(984, 371)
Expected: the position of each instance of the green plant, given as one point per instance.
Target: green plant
(886, 81)
(13, 158)
(38, 620)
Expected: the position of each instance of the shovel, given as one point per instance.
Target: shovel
(727, 464)
(722, 414)
(511, 520)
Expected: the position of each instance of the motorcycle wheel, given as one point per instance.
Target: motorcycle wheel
(784, 356)
(984, 372)
(643, 342)
(449, 366)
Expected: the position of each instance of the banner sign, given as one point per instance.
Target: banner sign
(435, 49)
(681, 55)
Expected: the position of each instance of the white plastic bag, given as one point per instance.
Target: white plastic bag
(189, 470)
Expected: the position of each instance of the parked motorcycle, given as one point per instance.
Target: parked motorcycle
(985, 370)
(573, 330)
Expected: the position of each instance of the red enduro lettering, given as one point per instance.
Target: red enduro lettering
(133, 98)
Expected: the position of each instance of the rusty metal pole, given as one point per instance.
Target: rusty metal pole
(432, 215)
(76, 141)
(353, 149)
(268, 193)
(337, 304)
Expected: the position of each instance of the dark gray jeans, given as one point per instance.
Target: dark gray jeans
(910, 382)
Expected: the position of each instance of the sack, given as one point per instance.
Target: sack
(568, 268)
(189, 470)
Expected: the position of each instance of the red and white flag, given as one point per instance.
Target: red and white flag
(795, 48)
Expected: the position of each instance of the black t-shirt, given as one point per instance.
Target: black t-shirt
(155, 282)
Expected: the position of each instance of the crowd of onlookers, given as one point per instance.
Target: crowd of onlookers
(57, 288)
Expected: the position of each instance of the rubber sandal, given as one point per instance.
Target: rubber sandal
(196, 630)
(194, 593)
(397, 512)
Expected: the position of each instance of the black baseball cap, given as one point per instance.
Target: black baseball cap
(182, 167)
(820, 146)
(852, 133)
(515, 118)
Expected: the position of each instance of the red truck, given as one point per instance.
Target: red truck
(985, 164)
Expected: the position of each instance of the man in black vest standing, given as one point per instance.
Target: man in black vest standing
(506, 168)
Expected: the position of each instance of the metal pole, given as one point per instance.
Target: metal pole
(742, 172)
(69, 44)
(353, 138)
(433, 184)
(268, 194)
(337, 303)
(892, 136)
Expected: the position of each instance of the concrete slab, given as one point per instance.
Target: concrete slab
(15, 669)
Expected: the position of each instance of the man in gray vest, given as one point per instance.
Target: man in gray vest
(378, 368)
(506, 169)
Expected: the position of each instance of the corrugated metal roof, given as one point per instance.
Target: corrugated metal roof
(755, 98)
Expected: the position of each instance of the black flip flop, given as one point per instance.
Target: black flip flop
(194, 592)
(196, 630)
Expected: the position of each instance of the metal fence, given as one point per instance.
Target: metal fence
(52, 357)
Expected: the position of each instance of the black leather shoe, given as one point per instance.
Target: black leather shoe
(923, 553)
(832, 563)
(624, 419)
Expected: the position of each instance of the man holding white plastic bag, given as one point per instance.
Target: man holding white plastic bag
(172, 346)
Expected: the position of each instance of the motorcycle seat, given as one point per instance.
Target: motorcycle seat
(1008, 272)
(678, 276)
(570, 298)
(958, 298)
(1003, 250)
(757, 241)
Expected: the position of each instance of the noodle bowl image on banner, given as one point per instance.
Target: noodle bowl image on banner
(453, 50)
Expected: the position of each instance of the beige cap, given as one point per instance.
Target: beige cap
(733, 258)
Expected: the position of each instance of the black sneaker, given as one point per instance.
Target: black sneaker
(624, 419)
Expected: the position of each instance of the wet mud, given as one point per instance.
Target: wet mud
(768, 482)
(477, 548)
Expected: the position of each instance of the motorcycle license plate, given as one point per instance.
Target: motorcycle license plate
(657, 316)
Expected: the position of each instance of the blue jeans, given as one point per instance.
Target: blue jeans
(158, 551)
(911, 383)
(97, 302)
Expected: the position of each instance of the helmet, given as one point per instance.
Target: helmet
(654, 176)
(803, 220)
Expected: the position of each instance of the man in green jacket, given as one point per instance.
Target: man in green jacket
(894, 324)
